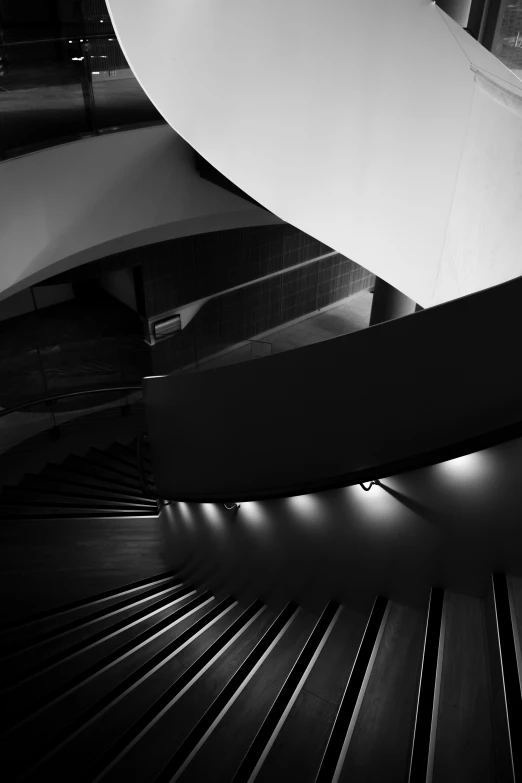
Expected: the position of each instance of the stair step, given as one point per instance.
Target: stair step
(185, 609)
(127, 457)
(393, 685)
(41, 484)
(100, 615)
(134, 627)
(129, 474)
(464, 698)
(98, 471)
(81, 604)
(98, 457)
(76, 477)
(130, 454)
(39, 511)
(315, 708)
(256, 681)
(24, 496)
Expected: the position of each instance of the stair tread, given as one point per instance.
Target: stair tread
(41, 484)
(25, 495)
(99, 471)
(82, 479)
(66, 511)
(97, 456)
(126, 456)
(92, 462)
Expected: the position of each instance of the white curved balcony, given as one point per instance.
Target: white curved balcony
(383, 129)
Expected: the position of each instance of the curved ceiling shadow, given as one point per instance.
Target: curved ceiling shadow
(68, 205)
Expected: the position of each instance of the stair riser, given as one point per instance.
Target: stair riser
(73, 490)
(82, 480)
(19, 495)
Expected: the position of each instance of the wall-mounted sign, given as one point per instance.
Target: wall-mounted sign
(167, 327)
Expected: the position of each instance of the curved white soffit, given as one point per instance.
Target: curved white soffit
(351, 120)
(78, 202)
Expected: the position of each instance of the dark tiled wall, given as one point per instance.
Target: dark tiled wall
(243, 314)
(261, 305)
(183, 270)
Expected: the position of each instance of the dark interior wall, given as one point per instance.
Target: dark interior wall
(457, 9)
(424, 381)
(242, 314)
(184, 270)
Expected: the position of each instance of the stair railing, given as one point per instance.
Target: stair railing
(50, 401)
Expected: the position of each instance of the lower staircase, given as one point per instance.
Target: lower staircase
(99, 483)
(161, 680)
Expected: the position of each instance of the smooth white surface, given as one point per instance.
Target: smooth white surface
(77, 202)
(483, 244)
(347, 119)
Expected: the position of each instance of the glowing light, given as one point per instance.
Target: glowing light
(185, 516)
(307, 506)
(470, 467)
(252, 513)
(214, 515)
(376, 505)
(96, 73)
(211, 511)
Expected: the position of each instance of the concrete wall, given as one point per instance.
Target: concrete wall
(65, 206)
(349, 120)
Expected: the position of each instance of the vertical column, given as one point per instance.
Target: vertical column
(389, 303)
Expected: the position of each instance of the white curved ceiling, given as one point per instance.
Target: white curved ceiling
(74, 203)
(363, 124)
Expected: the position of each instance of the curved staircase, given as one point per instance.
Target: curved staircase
(161, 680)
(100, 483)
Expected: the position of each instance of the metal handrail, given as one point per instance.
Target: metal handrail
(49, 398)
(81, 37)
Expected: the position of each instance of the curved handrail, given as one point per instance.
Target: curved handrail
(49, 398)
(368, 475)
